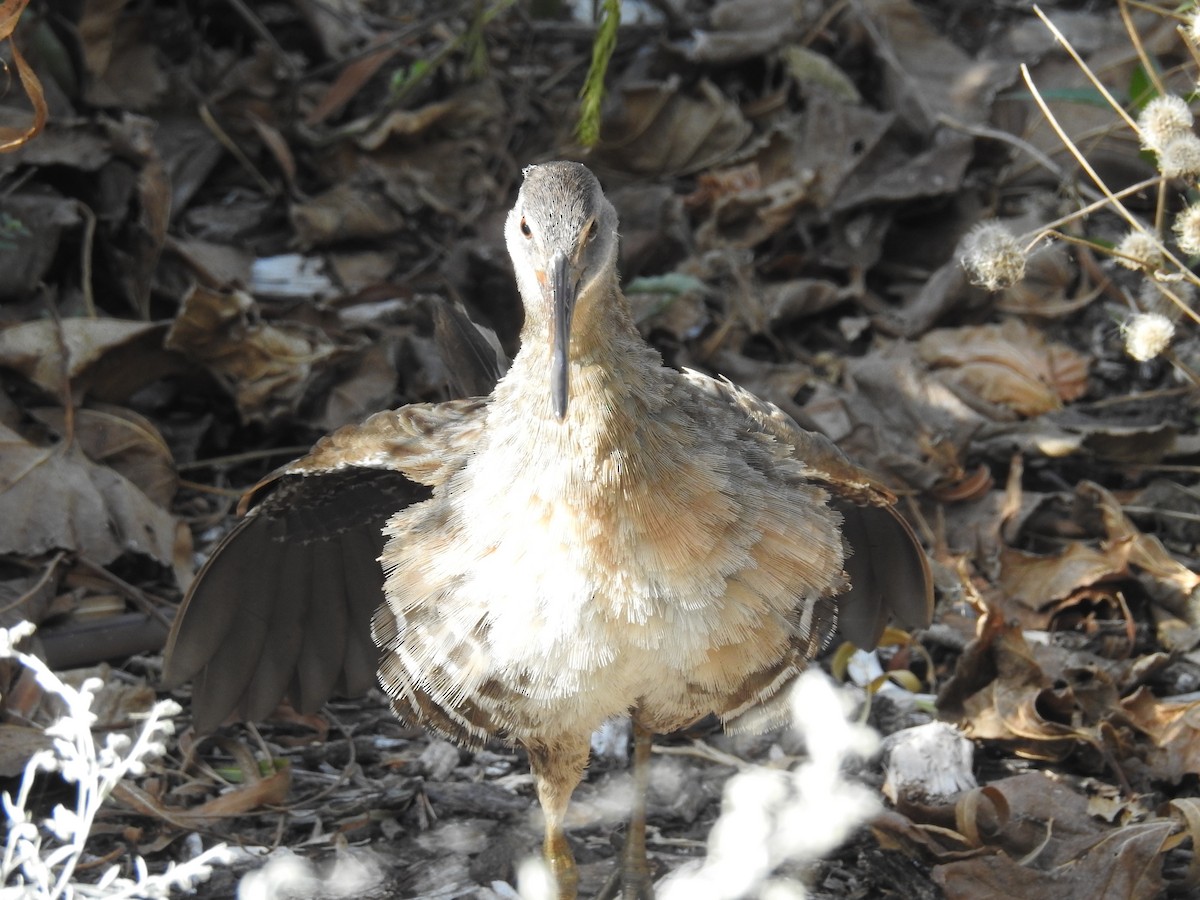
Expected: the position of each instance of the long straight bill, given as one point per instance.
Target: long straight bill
(562, 299)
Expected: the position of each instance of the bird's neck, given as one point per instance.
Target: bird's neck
(612, 370)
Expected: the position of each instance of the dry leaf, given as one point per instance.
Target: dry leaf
(658, 129)
(32, 226)
(17, 744)
(345, 212)
(925, 74)
(267, 369)
(1040, 581)
(124, 440)
(53, 354)
(1011, 365)
(1123, 864)
(1174, 729)
(64, 501)
(13, 137)
(1172, 583)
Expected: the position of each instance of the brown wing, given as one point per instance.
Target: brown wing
(889, 572)
(283, 606)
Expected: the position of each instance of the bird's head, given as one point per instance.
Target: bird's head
(562, 236)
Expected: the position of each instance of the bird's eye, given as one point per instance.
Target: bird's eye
(525, 229)
(592, 231)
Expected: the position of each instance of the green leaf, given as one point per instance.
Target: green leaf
(672, 283)
(1141, 89)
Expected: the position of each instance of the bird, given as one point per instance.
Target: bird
(601, 535)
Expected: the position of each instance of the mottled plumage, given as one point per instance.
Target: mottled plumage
(600, 536)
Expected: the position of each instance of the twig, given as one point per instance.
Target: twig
(1136, 40)
(1086, 69)
(1113, 200)
(234, 459)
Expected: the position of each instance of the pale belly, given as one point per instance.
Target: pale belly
(559, 611)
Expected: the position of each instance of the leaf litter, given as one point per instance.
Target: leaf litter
(236, 231)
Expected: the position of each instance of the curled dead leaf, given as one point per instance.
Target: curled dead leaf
(1010, 365)
(1038, 581)
(1174, 731)
(54, 355)
(124, 440)
(65, 501)
(12, 137)
(661, 129)
(266, 368)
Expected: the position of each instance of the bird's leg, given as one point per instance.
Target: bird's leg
(633, 878)
(557, 769)
(636, 884)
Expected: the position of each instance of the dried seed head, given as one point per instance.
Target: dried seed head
(1147, 335)
(1180, 156)
(1187, 230)
(992, 257)
(1162, 119)
(1139, 250)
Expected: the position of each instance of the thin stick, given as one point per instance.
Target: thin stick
(1083, 66)
(1099, 182)
(1136, 40)
(1093, 207)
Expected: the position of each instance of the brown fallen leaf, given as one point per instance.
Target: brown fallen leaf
(12, 137)
(1009, 708)
(346, 211)
(1123, 864)
(123, 440)
(136, 256)
(18, 743)
(663, 129)
(925, 74)
(269, 791)
(266, 368)
(896, 421)
(894, 831)
(1032, 835)
(65, 501)
(1171, 583)
(1010, 365)
(1039, 581)
(28, 597)
(354, 77)
(33, 224)
(1174, 729)
(54, 354)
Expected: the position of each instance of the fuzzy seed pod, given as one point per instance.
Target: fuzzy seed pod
(1180, 156)
(1139, 250)
(1162, 119)
(1187, 230)
(992, 257)
(1147, 335)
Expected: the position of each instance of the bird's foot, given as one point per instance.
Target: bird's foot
(625, 884)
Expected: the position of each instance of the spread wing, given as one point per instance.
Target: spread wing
(283, 606)
(889, 573)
